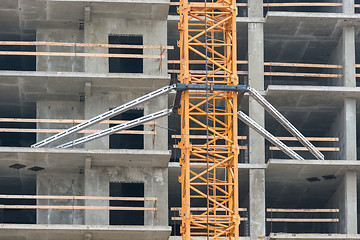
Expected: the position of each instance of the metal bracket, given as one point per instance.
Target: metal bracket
(180, 87)
(123, 126)
(104, 116)
(263, 132)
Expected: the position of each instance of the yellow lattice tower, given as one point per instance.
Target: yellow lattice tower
(209, 173)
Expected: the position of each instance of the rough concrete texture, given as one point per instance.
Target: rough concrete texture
(257, 203)
(155, 185)
(73, 160)
(98, 30)
(60, 64)
(58, 110)
(329, 109)
(80, 232)
(344, 127)
(62, 185)
(98, 103)
(313, 236)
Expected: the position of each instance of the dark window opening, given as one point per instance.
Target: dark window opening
(18, 186)
(18, 63)
(130, 217)
(127, 141)
(125, 65)
(17, 139)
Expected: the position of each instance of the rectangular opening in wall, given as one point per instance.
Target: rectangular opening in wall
(128, 141)
(127, 217)
(18, 185)
(17, 62)
(17, 135)
(126, 65)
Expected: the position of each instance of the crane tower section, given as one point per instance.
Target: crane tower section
(209, 172)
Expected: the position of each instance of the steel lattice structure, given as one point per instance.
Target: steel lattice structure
(209, 170)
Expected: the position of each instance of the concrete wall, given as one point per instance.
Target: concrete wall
(98, 30)
(58, 110)
(345, 199)
(60, 64)
(95, 181)
(99, 103)
(155, 181)
(60, 184)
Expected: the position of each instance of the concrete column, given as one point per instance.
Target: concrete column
(349, 130)
(96, 184)
(256, 112)
(344, 127)
(256, 80)
(257, 203)
(349, 222)
(345, 198)
(255, 8)
(348, 6)
(348, 43)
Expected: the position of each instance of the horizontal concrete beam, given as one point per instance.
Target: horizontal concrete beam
(273, 16)
(68, 85)
(312, 236)
(71, 160)
(77, 232)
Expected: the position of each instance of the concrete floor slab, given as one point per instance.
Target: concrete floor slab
(289, 182)
(304, 183)
(70, 13)
(67, 85)
(313, 236)
(305, 96)
(72, 160)
(96, 232)
(309, 108)
(301, 24)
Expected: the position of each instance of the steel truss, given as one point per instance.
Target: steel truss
(209, 172)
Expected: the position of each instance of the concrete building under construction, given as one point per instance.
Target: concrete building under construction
(63, 62)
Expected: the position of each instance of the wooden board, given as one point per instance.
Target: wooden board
(69, 54)
(63, 44)
(78, 197)
(39, 120)
(77, 207)
(325, 149)
(28, 130)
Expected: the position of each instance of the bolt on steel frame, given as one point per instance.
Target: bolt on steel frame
(209, 170)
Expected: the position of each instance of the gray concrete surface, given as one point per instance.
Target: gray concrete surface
(305, 37)
(97, 182)
(79, 232)
(313, 236)
(25, 16)
(74, 159)
(60, 184)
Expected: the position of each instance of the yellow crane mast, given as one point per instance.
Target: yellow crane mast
(209, 172)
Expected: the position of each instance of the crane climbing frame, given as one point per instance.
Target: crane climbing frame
(209, 172)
